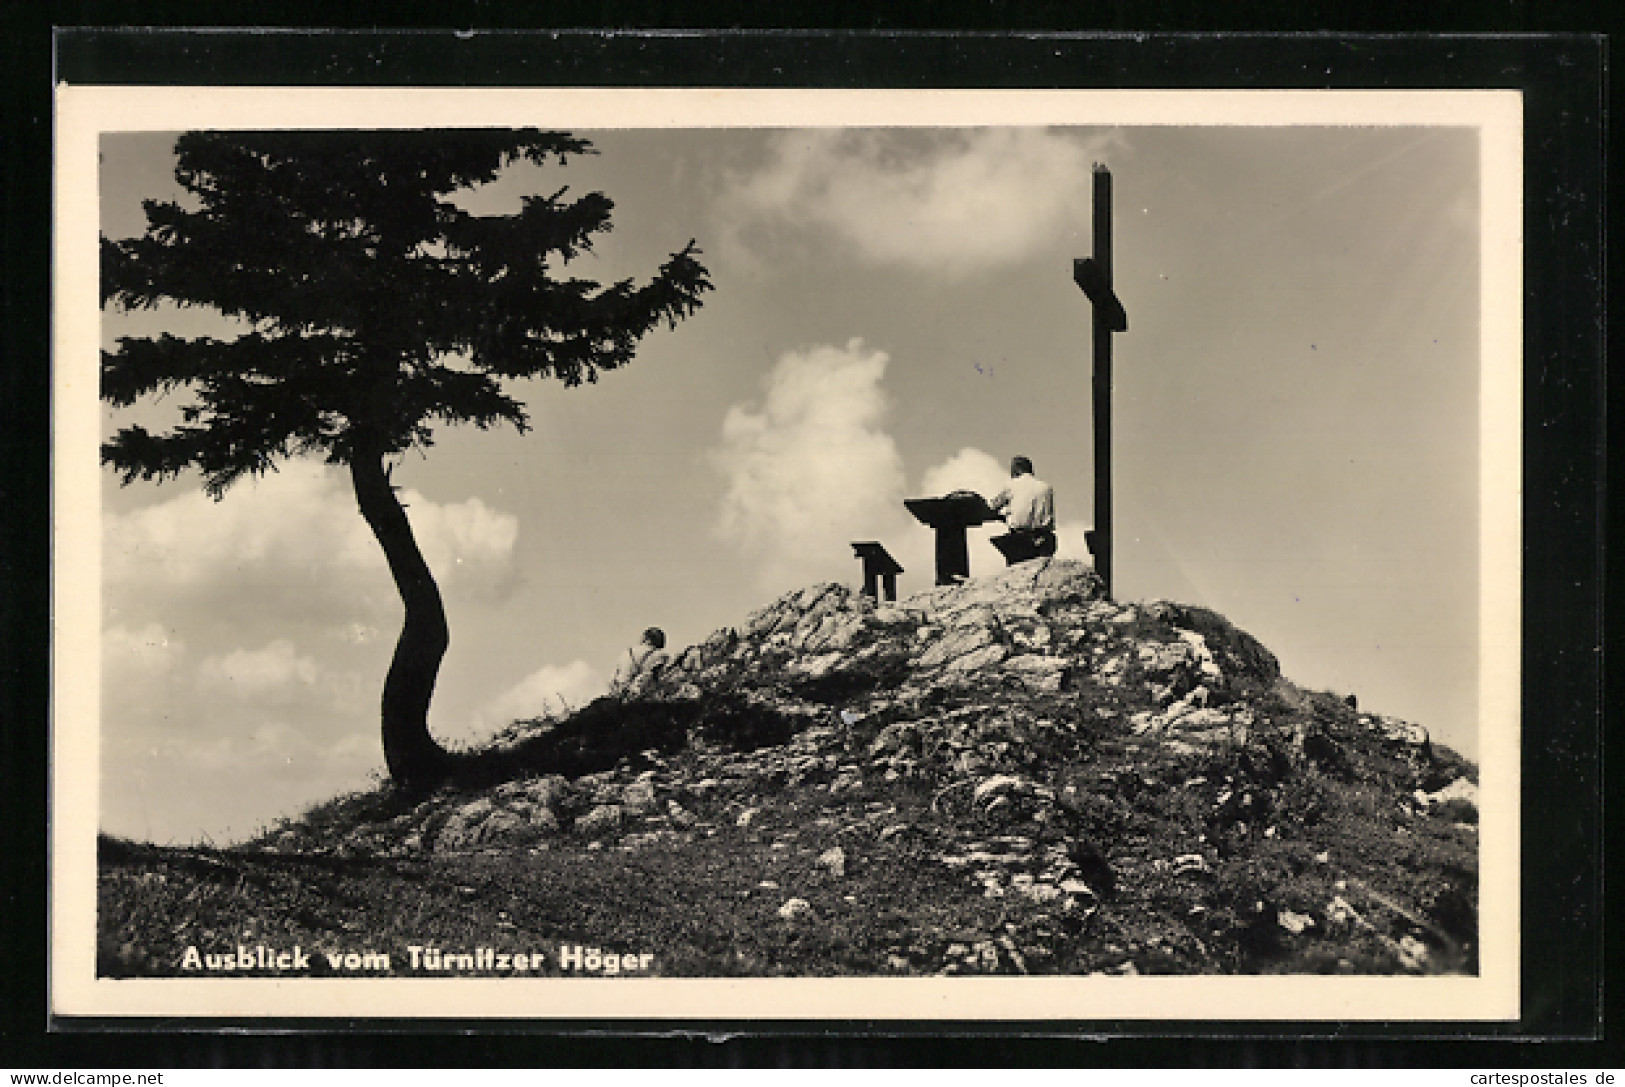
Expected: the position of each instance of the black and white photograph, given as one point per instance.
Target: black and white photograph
(763, 554)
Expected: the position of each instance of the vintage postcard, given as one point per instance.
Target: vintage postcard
(550, 554)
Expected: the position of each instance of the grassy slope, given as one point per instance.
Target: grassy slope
(695, 898)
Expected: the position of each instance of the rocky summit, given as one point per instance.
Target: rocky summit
(1009, 775)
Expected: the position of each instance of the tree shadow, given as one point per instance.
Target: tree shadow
(610, 731)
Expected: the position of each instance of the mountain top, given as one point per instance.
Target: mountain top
(1009, 775)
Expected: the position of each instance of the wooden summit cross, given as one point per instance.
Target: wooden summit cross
(1094, 275)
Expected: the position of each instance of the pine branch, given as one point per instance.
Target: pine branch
(377, 306)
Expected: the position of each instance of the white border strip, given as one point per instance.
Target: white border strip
(83, 114)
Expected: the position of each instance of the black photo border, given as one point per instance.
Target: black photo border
(1563, 80)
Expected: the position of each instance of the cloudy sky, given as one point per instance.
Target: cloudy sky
(1296, 422)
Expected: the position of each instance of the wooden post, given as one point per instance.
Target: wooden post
(1103, 381)
(1094, 276)
(953, 554)
(949, 516)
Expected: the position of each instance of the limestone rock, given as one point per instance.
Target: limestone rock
(889, 615)
(1457, 801)
(503, 824)
(474, 811)
(1166, 661)
(601, 822)
(1396, 731)
(998, 785)
(895, 737)
(1339, 912)
(638, 798)
(1039, 672)
(836, 632)
(848, 779)
(1413, 953)
(462, 829)
(680, 817)
(1187, 719)
(972, 615)
(955, 644)
(816, 667)
(1190, 862)
(974, 661)
(834, 861)
(795, 909)
(1202, 656)
(546, 792)
(1295, 923)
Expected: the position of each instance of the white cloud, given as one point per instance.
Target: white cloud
(575, 684)
(810, 468)
(466, 539)
(953, 201)
(148, 650)
(291, 547)
(1070, 543)
(290, 518)
(142, 670)
(265, 747)
(285, 599)
(549, 689)
(276, 671)
(230, 743)
(227, 783)
(967, 470)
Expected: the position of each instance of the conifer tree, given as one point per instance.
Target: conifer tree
(374, 308)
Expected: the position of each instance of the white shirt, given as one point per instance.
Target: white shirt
(1027, 503)
(640, 659)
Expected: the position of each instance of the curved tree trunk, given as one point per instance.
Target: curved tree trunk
(416, 762)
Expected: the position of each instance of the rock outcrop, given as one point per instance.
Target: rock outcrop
(1000, 672)
(1067, 755)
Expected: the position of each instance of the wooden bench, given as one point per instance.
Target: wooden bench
(1019, 547)
(879, 568)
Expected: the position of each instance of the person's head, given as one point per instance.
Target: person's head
(1020, 466)
(654, 638)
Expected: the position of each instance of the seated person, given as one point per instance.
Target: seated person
(1028, 507)
(642, 659)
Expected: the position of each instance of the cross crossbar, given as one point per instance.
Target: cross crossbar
(1096, 283)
